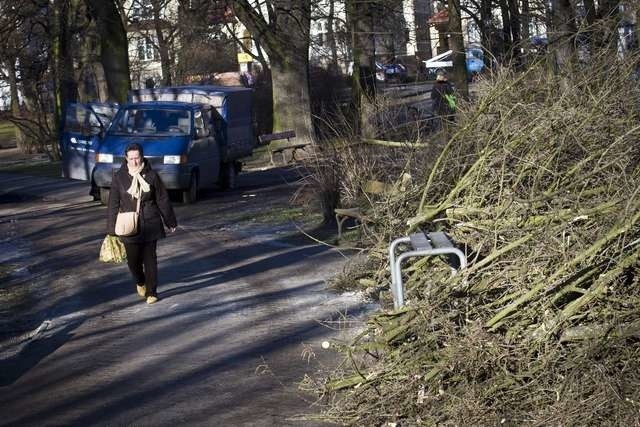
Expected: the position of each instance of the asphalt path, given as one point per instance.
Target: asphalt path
(243, 312)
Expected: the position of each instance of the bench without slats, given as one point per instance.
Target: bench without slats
(422, 244)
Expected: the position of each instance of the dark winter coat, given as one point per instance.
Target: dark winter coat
(155, 206)
(440, 104)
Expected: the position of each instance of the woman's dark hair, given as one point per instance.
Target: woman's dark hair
(134, 146)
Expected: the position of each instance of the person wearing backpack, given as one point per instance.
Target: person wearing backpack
(443, 100)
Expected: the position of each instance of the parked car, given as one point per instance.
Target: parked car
(386, 72)
(392, 71)
(474, 62)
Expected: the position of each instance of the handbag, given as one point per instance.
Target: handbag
(127, 222)
(112, 250)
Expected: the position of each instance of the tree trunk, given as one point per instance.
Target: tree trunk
(486, 28)
(114, 48)
(563, 28)
(506, 30)
(363, 88)
(21, 140)
(590, 12)
(163, 45)
(423, 32)
(516, 42)
(285, 39)
(90, 75)
(526, 20)
(456, 43)
(331, 38)
(64, 84)
(609, 15)
(291, 104)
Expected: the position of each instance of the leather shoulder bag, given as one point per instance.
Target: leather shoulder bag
(127, 222)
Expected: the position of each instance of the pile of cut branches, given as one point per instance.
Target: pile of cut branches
(540, 181)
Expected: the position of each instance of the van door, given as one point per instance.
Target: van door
(83, 127)
(209, 158)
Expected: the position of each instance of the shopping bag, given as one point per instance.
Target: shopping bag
(451, 101)
(112, 250)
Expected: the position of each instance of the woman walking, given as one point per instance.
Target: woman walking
(134, 181)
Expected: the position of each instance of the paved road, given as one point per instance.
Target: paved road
(236, 329)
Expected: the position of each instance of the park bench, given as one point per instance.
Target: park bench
(282, 150)
(420, 244)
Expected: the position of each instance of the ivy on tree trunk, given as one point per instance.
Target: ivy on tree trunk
(114, 48)
(285, 38)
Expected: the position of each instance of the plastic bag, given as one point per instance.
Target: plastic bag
(451, 101)
(112, 250)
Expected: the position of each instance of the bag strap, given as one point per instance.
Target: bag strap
(138, 204)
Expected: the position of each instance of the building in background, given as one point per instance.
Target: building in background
(144, 24)
(407, 32)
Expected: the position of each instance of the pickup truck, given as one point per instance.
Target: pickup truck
(193, 136)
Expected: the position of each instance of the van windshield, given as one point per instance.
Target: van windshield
(148, 122)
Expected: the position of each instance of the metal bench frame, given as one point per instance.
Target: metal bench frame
(282, 150)
(422, 244)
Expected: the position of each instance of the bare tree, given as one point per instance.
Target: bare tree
(26, 38)
(563, 29)
(156, 23)
(283, 32)
(204, 46)
(456, 44)
(11, 27)
(361, 18)
(114, 48)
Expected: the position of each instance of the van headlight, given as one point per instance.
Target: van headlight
(104, 158)
(174, 160)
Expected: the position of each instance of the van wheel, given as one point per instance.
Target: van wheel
(104, 195)
(190, 195)
(229, 173)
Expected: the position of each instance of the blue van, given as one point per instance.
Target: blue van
(193, 136)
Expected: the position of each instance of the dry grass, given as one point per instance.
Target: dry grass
(540, 181)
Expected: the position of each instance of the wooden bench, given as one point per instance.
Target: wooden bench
(421, 244)
(268, 137)
(288, 135)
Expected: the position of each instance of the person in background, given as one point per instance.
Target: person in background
(247, 79)
(134, 181)
(443, 100)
